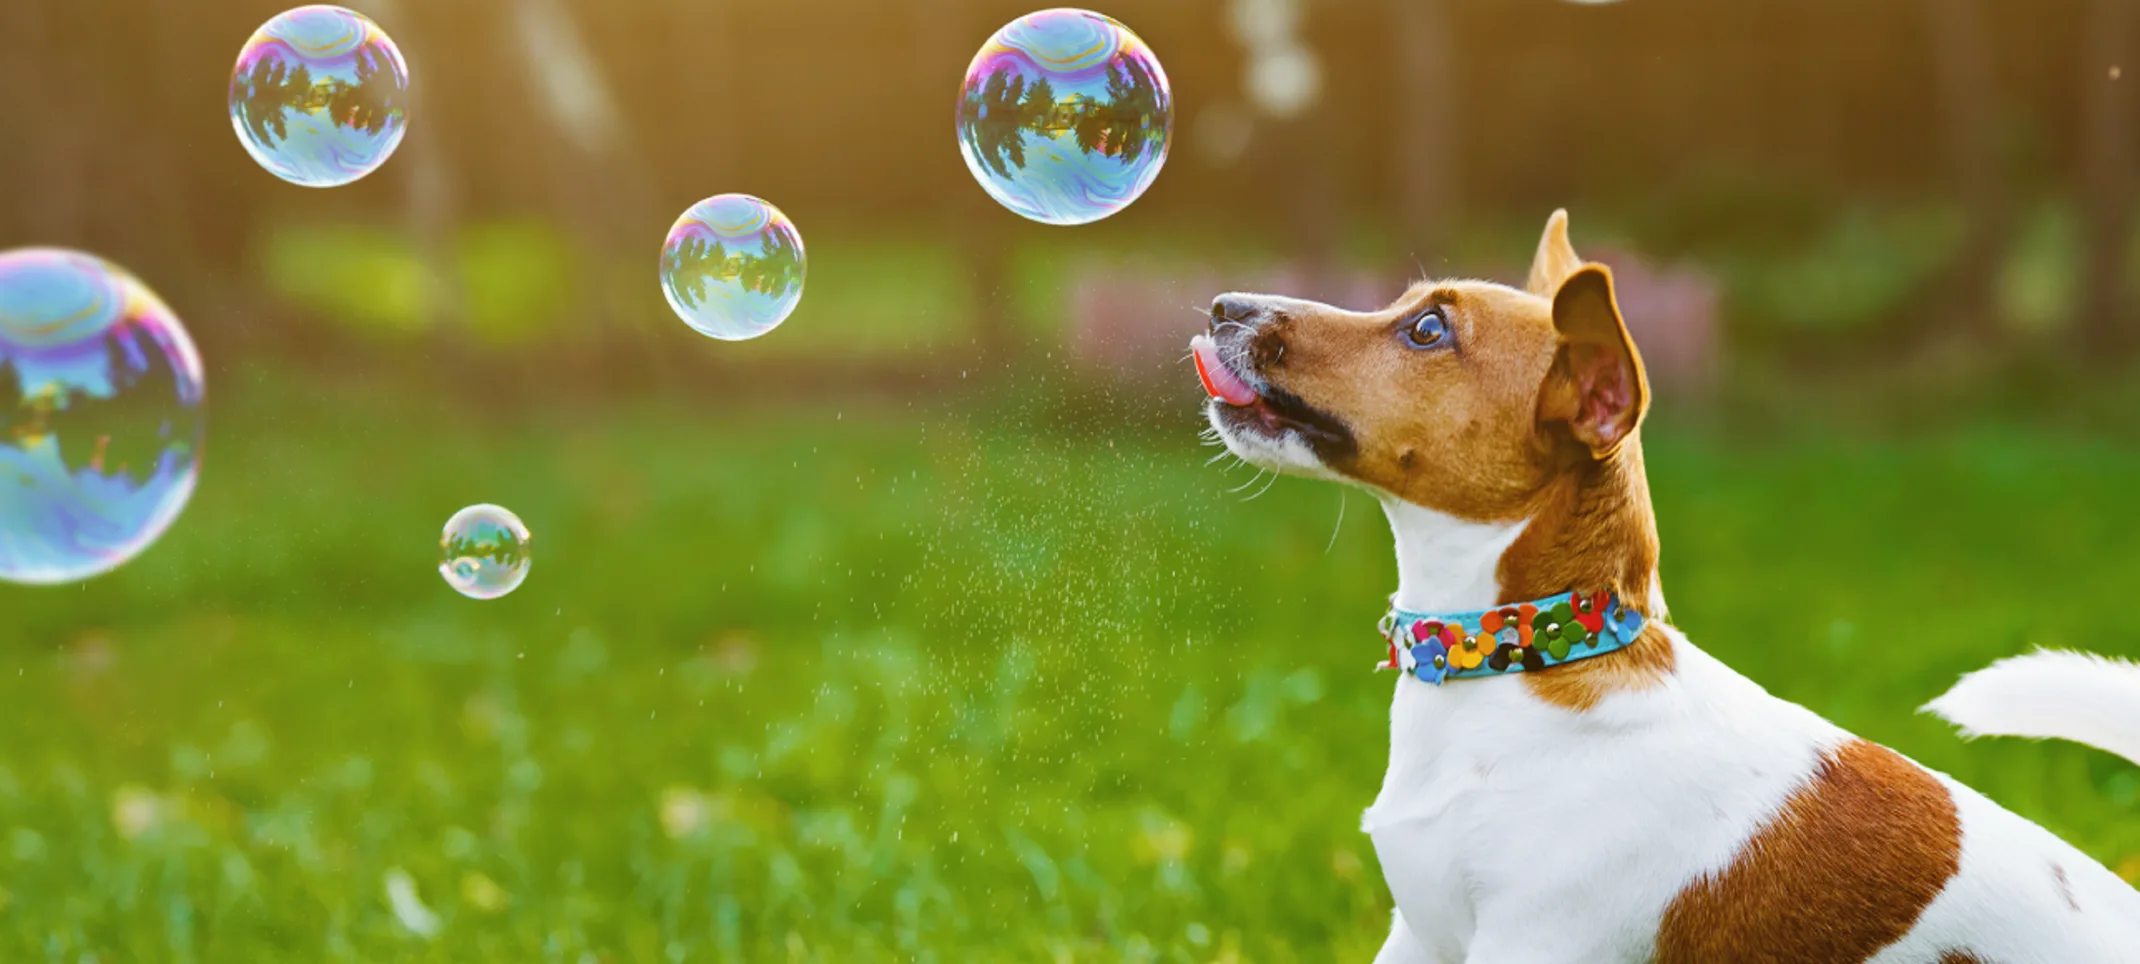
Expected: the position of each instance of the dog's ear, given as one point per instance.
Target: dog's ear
(1596, 389)
(1556, 258)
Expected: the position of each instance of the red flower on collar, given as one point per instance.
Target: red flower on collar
(1433, 629)
(1590, 612)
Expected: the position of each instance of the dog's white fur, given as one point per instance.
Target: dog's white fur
(1565, 836)
(2068, 696)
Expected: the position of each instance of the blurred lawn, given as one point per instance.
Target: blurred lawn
(947, 679)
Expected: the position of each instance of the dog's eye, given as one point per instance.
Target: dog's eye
(1429, 330)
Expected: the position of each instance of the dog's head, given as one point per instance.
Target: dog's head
(1463, 396)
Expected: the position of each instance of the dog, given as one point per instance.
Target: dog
(1571, 780)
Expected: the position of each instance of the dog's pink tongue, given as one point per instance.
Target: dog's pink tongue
(1219, 380)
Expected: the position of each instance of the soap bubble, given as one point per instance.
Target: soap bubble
(484, 552)
(101, 416)
(732, 267)
(1065, 116)
(319, 96)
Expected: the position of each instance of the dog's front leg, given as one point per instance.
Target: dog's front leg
(1404, 947)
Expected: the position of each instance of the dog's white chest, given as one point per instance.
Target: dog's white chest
(1502, 812)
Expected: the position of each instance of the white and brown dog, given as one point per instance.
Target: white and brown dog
(1704, 820)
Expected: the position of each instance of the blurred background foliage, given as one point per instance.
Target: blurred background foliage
(1840, 168)
(918, 629)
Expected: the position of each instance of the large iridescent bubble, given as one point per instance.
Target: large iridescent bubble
(732, 267)
(1065, 116)
(101, 415)
(485, 552)
(319, 96)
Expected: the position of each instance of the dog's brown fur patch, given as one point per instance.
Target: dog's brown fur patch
(1961, 957)
(1843, 870)
(1593, 528)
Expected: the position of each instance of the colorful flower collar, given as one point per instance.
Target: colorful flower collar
(1508, 639)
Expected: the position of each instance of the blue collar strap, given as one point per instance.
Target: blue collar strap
(1508, 639)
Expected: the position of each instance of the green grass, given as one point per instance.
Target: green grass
(938, 679)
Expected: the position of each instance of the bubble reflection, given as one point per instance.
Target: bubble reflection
(485, 552)
(319, 96)
(1065, 116)
(732, 267)
(101, 416)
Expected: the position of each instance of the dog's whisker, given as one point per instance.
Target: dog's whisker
(1266, 488)
(1332, 544)
(1252, 480)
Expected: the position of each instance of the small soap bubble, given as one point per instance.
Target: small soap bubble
(319, 96)
(1065, 116)
(102, 410)
(732, 267)
(484, 552)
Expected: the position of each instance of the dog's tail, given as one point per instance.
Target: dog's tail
(2050, 693)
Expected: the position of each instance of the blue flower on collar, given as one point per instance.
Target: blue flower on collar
(1622, 622)
(1431, 660)
(1430, 652)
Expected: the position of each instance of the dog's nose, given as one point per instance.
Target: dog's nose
(1235, 307)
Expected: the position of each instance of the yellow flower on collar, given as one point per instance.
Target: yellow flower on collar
(1471, 652)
